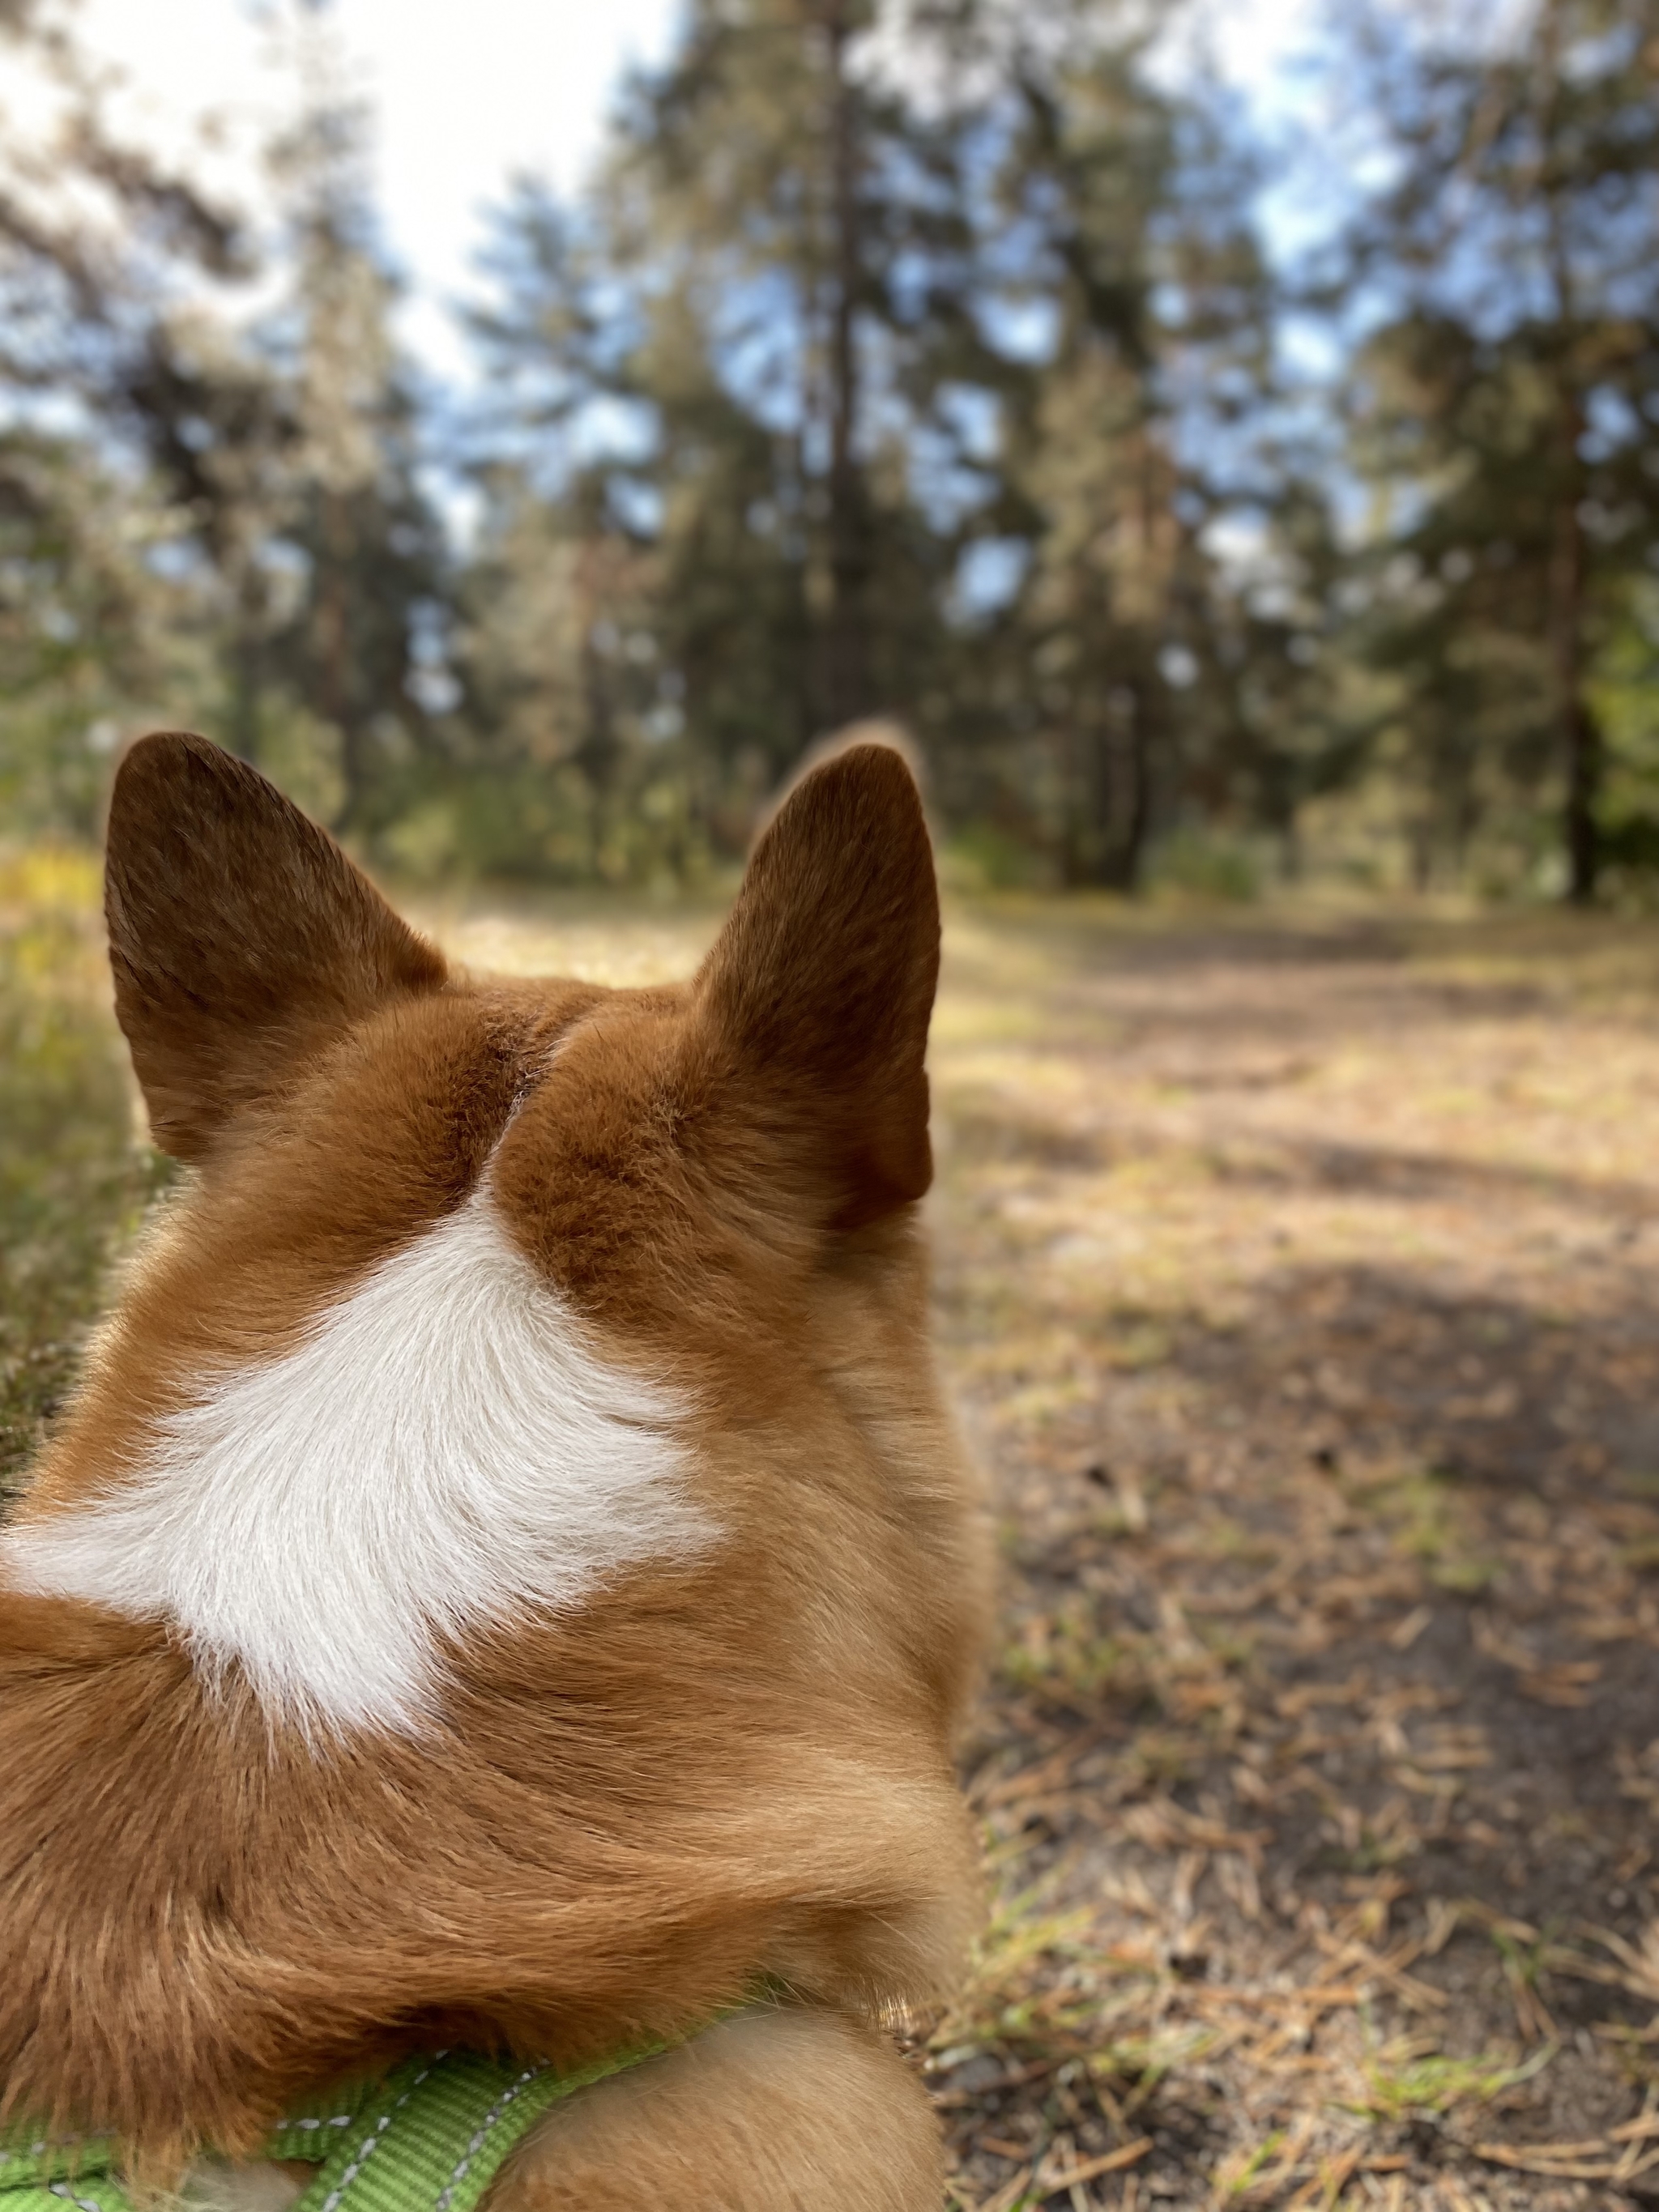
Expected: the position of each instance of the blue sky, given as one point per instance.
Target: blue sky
(467, 91)
(464, 92)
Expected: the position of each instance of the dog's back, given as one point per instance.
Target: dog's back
(507, 1578)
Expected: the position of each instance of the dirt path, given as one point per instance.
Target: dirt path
(1300, 1287)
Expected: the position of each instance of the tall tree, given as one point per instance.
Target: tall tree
(118, 408)
(636, 614)
(740, 353)
(352, 523)
(1507, 292)
(742, 172)
(1116, 227)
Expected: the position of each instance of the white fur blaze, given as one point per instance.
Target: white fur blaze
(442, 1451)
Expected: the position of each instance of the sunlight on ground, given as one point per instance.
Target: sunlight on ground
(611, 940)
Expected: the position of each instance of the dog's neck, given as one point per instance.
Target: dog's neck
(202, 1919)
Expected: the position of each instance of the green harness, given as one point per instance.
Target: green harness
(431, 2137)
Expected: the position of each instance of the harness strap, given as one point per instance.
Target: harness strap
(40, 2173)
(431, 2137)
(90, 2193)
(434, 2136)
(43, 2173)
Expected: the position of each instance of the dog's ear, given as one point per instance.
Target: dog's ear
(241, 936)
(817, 995)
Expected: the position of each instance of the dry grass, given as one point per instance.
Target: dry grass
(1299, 1281)
(1296, 1280)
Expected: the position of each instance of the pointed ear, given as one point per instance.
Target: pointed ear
(816, 996)
(241, 936)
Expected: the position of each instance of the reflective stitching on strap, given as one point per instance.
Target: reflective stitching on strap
(332, 2199)
(86, 2203)
(486, 2128)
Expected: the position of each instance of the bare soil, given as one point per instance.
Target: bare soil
(1299, 1283)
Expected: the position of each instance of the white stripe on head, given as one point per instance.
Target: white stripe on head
(442, 1450)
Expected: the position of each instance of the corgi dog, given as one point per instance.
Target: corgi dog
(507, 1579)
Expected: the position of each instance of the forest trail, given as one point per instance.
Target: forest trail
(1299, 1284)
(1297, 1280)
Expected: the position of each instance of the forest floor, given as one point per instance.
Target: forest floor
(1298, 1280)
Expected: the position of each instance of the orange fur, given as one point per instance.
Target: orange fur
(723, 1767)
(778, 2112)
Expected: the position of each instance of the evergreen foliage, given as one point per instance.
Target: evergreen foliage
(1504, 410)
(922, 358)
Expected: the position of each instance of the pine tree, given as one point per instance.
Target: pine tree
(355, 647)
(1118, 218)
(765, 295)
(1506, 393)
(116, 405)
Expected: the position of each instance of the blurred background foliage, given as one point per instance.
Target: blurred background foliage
(932, 357)
(74, 1181)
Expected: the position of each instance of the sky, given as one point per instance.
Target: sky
(466, 92)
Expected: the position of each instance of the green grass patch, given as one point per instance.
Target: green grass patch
(1405, 2082)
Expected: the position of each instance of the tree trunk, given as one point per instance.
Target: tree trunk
(1585, 765)
(1104, 843)
(846, 691)
(333, 643)
(1578, 738)
(1580, 750)
(246, 638)
(1133, 811)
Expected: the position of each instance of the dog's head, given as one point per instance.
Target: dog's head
(487, 1296)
